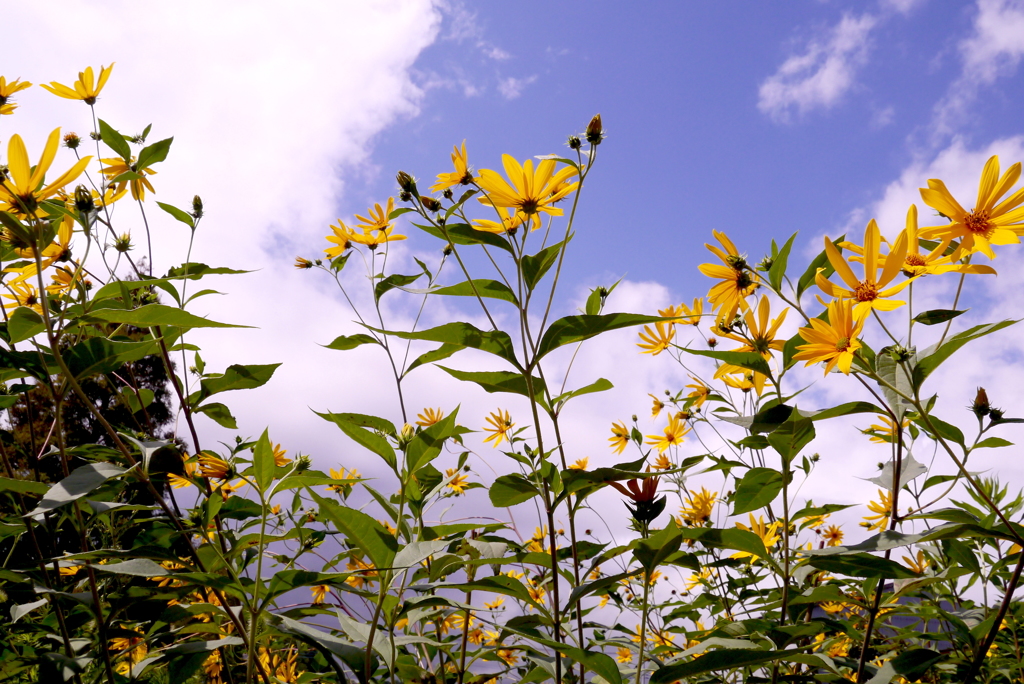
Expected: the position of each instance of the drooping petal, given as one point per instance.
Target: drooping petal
(939, 198)
(840, 265)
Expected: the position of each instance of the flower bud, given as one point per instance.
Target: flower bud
(448, 249)
(197, 206)
(981, 406)
(405, 196)
(712, 342)
(574, 142)
(71, 140)
(406, 182)
(430, 204)
(95, 136)
(84, 202)
(124, 243)
(996, 415)
(303, 463)
(302, 264)
(595, 130)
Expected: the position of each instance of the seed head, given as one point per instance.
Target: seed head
(71, 140)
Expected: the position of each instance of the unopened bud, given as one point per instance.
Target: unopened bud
(71, 140)
(430, 204)
(124, 243)
(712, 342)
(197, 206)
(595, 130)
(405, 196)
(447, 193)
(981, 406)
(84, 202)
(448, 249)
(574, 142)
(406, 182)
(303, 463)
(996, 415)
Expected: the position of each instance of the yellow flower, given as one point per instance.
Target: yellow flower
(759, 335)
(458, 482)
(302, 263)
(988, 223)
(495, 604)
(429, 417)
(537, 594)
(86, 87)
(662, 463)
(363, 572)
(624, 655)
(320, 592)
(342, 239)
(656, 342)
(701, 505)
(657, 406)
(690, 315)
(918, 563)
(212, 667)
(502, 424)
(377, 229)
(21, 189)
(698, 579)
(672, 436)
(117, 166)
(580, 464)
(63, 280)
(281, 664)
(699, 394)
(738, 280)
(868, 293)
(769, 534)
(619, 438)
(507, 655)
(741, 379)
(535, 544)
(935, 262)
(531, 192)
(7, 106)
(510, 220)
(279, 456)
(834, 342)
(226, 489)
(460, 176)
(177, 481)
(832, 535)
(343, 475)
(211, 466)
(379, 217)
(885, 432)
(23, 294)
(882, 510)
(136, 651)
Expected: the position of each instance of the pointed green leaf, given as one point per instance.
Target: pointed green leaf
(263, 461)
(80, 482)
(932, 358)
(152, 315)
(501, 381)
(779, 263)
(361, 531)
(371, 440)
(153, 154)
(346, 342)
(757, 488)
(492, 289)
(115, 141)
(749, 360)
(535, 266)
(936, 316)
(391, 282)
(578, 328)
(509, 490)
(463, 234)
(495, 342)
(177, 213)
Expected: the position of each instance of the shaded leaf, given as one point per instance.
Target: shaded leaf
(572, 329)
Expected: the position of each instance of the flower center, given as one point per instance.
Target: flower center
(978, 223)
(842, 344)
(743, 280)
(915, 260)
(866, 291)
(528, 206)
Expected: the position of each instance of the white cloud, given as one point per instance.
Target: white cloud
(883, 117)
(821, 74)
(902, 6)
(993, 50)
(511, 87)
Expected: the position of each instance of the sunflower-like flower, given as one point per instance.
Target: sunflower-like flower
(282, 664)
(882, 510)
(280, 458)
(699, 394)
(760, 336)
(832, 535)
(134, 651)
(655, 341)
(740, 378)
(884, 432)
(320, 592)
(580, 464)
(86, 88)
(429, 417)
(738, 280)
(672, 435)
(377, 228)
(988, 223)
(343, 487)
(867, 292)
(510, 220)
(117, 167)
(769, 534)
(500, 426)
(23, 294)
(918, 563)
(342, 239)
(700, 507)
(460, 176)
(532, 192)
(22, 189)
(620, 437)
(689, 315)
(835, 343)
(458, 480)
(7, 106)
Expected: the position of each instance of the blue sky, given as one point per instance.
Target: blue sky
(759, 119)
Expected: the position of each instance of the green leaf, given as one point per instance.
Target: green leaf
(992, 442)
(263, 461)
(442, 352)
(501, 381)
(346, 342)
(779, 263)
(136, 400)
(492, 289)
(426, 444)
(497, 584)
(495, 342)
(846, 409)
(391, 282)
(98, 355)
(862, 565)
(234, 377)
(115, 141)
(153, 154)
(464, 234)
(719, 659)
(136, 567)
(931, 358)
(941, 428)
(599, 385)
(509, 490)
(24, 324)
(80, 482)
(749, 360)
(353, 657)
(757, 489)
(536, 265)
(578, 328)
(194, 271)
(361, 531)
(820, 261)
(19, 611)
(730, 538)
(152, 315)
(790, 437)
(936, 316)
(177, 213)
(359, 434)
(219, 413)
(22, 486)
(650, 553)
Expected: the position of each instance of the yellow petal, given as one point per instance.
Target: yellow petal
(989, 178)
(18, 165)
(840, 265)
